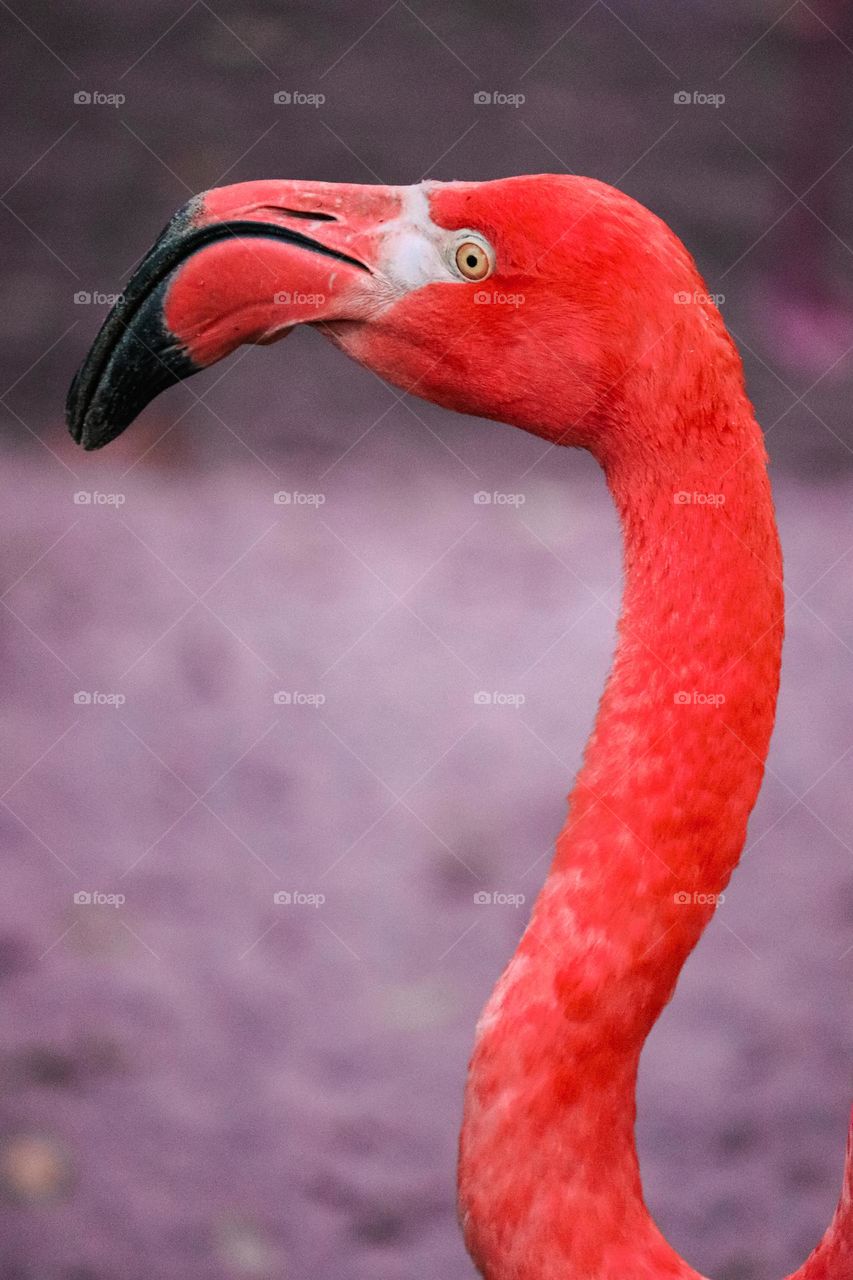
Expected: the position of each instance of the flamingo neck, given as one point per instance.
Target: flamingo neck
(549, 1178)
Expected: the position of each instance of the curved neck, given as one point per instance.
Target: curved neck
(549, 1179)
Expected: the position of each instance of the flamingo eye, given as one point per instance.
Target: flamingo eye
(472, 260)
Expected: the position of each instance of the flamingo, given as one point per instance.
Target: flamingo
(559, 305)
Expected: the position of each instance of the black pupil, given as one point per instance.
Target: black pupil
(471, 260)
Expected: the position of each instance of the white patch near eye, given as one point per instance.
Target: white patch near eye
(415, 250)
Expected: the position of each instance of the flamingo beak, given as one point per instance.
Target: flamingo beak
(238, 264)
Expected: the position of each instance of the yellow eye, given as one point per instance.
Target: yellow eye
(472, 260)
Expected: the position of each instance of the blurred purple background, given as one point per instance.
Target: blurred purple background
(201, 1083)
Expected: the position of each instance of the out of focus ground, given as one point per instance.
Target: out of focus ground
(234, 1086)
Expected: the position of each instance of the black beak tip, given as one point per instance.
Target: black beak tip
(135, 355)
(83, 421)
(134, 358)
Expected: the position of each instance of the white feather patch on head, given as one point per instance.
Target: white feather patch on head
(415, 250)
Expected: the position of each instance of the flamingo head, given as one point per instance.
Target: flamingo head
(528, 300)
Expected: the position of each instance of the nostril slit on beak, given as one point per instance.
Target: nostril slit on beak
(302, 213)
